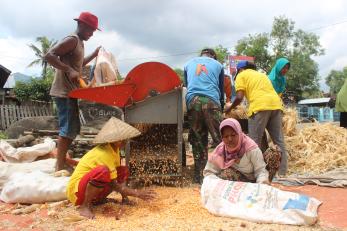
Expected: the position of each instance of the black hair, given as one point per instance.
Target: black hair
(249, 65)
(209, 52)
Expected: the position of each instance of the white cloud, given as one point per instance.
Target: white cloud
(133, 29)
(15, 55)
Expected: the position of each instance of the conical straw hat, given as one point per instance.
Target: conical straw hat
(115, 130)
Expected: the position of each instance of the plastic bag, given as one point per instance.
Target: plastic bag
(34, 187)
(105, 72)
(257, 202)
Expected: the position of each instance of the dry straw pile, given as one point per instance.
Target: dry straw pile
(290, 120)
(312, 147)
(240, 112)
(317, 148)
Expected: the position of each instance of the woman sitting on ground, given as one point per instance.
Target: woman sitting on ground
(99, 172)
(238, 157)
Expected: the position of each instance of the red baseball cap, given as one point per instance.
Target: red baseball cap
(89, 19)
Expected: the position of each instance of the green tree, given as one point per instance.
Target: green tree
(335, 80)
(36, 89)
(222, 53)
(45, 45)
(180, 73)
(258, 47)
(296, 45)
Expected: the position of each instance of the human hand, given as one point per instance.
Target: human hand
(227, 107)
(266, 182)
(96, 52)
(146, 194)
(73, 75)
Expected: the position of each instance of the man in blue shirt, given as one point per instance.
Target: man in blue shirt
(204, 79)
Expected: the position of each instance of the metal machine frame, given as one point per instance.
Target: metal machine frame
(166, 108)
(150, 94)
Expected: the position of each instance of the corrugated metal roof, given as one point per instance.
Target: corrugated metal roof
(4, 73)
(314, 101)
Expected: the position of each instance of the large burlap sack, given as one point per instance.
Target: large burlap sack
(35, 187)
(7, 169)
(25, 154)
(105, 72)
(257, 202)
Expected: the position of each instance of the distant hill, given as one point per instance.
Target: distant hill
(16, 77)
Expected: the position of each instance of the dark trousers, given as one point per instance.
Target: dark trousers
(343, 119)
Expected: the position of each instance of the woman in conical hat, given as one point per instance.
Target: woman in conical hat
(99, 173)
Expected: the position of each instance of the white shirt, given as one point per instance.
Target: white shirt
(251, 165)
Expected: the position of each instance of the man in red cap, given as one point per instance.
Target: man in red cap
(68, 58)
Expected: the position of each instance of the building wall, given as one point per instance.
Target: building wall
(320, 113)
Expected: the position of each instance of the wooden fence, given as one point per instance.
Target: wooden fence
(12, 113)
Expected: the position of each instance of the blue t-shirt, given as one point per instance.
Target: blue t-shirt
(204, 76)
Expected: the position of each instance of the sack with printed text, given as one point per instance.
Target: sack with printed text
(257, 202)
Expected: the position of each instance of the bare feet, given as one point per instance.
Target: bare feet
(65, 166)
(86, 212)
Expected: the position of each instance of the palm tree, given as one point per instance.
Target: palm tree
(46, 44)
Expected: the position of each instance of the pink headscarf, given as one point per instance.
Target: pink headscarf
(224, 157)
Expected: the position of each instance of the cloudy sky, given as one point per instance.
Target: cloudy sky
(166, 31)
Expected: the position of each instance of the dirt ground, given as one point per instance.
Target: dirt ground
(175, 208)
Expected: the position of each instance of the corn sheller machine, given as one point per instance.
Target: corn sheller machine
(151, 99)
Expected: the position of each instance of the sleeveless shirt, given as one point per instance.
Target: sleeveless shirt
(62, 84)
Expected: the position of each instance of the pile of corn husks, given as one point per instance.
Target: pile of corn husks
(240, 112)
(290, 119)
(317, 148)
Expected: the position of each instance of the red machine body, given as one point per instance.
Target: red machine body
(146, 79)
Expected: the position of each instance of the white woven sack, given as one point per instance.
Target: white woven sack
(7, 169)
(25, 154)
(35, 187)
(257, 202)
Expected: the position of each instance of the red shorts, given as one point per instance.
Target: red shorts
(98, 177)
(122, 174)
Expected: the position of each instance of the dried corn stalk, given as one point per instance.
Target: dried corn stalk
(59, 204)
(73, 218)
(26, 210)
(290, 119)
(240, 112)
(317, 148)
